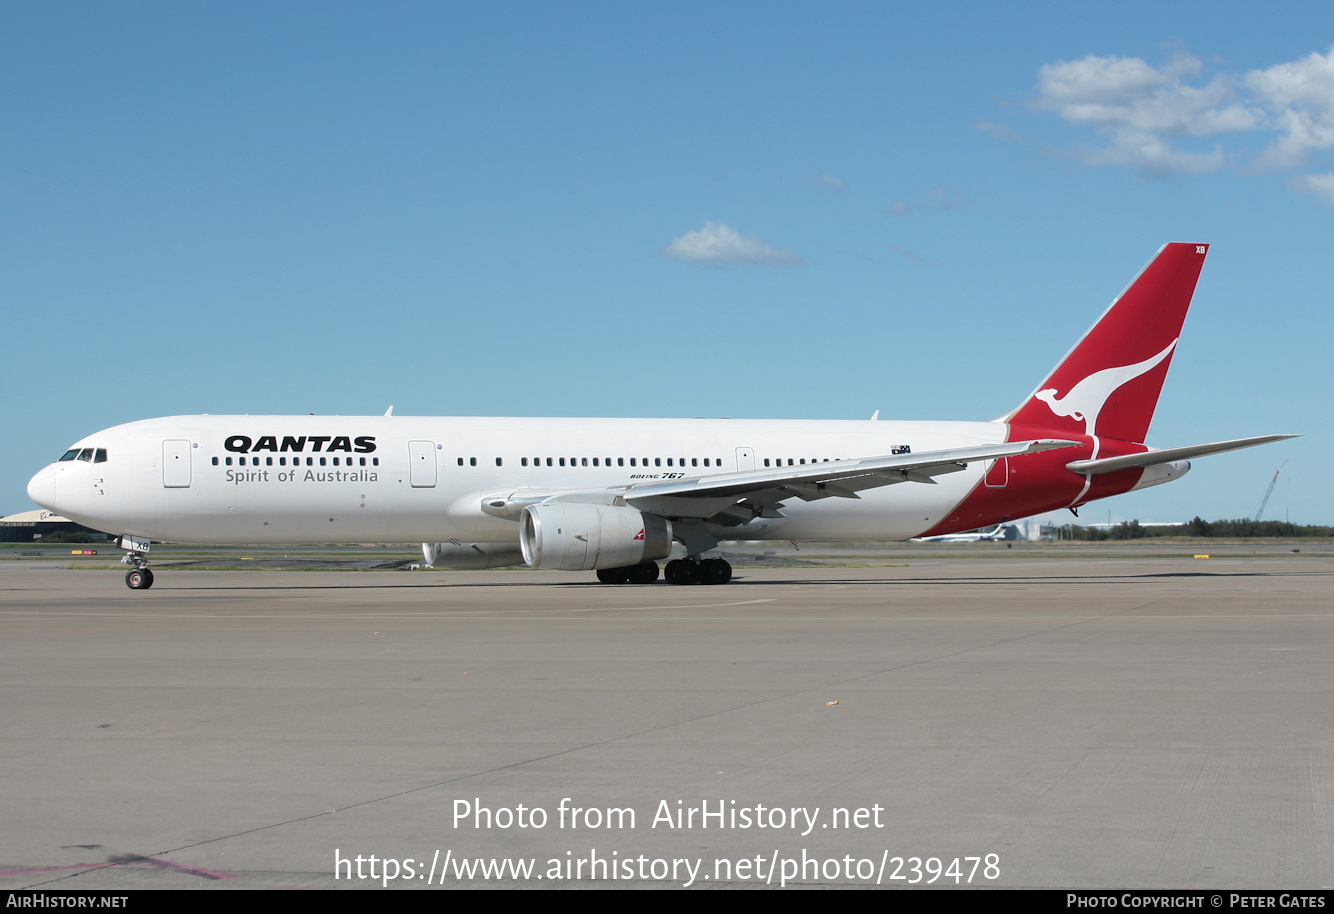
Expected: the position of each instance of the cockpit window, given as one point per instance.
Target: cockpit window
(86, 455)
(69, 455)
(101, 456)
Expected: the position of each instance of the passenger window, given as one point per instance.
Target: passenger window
(657, 461)
(562, 461)
(215, 461)
(472, 461)
(321, 461)
(229, 461)
(498, 462)
(595, 461)
(583, 461)
(632, 461)
(375, 461)
(620, 461)
(669, 461)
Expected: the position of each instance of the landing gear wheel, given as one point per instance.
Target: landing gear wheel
(715, 571)
(614, 575)
(138, 579)
(643, 573)
(682, 571)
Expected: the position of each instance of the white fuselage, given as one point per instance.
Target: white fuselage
(400, 479)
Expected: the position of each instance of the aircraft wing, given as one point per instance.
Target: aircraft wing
(736, 498)
(1152, 458)
(742, 496)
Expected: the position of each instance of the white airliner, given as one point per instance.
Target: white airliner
(614, 495)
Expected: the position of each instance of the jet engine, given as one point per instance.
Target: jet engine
(574, 536)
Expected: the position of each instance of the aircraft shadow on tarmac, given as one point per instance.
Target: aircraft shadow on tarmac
(987, 581)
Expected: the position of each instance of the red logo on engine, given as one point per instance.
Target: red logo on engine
(640, 534)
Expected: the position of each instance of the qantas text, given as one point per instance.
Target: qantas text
(244, 444)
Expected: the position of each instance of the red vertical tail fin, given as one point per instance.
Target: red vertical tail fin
(1108, 384)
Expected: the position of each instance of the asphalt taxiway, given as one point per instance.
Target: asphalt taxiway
(1091, 721)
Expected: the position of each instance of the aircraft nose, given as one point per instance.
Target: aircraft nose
(42, 488)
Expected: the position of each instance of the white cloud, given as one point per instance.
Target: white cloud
(907, 254)
(1125, 93)
(938, 199)
(1135, 105)
(825, 182)
(999, 132)
(1321, 186)
(721, 245)
(1149, 115)
(1301, 97)
(1152, 155)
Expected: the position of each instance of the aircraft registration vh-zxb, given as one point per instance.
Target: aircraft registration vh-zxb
(615, 495)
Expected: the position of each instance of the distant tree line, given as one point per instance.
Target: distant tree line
(1196, 527)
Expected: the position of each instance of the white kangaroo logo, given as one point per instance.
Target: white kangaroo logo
(1087, 398)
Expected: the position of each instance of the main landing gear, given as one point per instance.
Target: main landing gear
(690, 571)
(680, 571)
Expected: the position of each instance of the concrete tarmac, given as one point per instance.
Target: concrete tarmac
(1161, 722)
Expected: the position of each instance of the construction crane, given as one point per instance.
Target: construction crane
(1270, 491)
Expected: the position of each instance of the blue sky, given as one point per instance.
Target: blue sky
(749, 210)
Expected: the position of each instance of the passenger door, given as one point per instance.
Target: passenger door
(176, 463)
(421, 457)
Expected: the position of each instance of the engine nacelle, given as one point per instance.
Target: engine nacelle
(573, 536)
(471, 556)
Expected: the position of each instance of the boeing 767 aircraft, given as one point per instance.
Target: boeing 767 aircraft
(614, 495)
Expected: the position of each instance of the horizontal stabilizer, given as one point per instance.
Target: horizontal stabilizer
(1153, 458)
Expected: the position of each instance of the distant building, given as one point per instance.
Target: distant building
(1034, 530)
(36, 525)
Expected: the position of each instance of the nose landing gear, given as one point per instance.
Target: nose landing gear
(138, 577)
